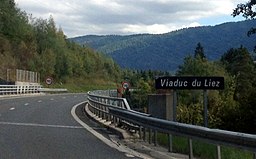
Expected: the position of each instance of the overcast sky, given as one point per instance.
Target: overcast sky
(124, 17)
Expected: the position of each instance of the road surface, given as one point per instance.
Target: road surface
(42, 127)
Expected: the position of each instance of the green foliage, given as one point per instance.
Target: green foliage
(140, 95)
(190, 114)
(142, 83)
(240, 64)
(235, 103)
(201, 149)
(248, 11)
(38, 45)
(199, 51)
(221, 105)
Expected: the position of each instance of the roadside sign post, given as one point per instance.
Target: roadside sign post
(205, 108)
(125, 85)
(49, 80)
(186, 83)
(190, 83)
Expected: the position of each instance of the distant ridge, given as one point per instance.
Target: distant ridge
(167, 51)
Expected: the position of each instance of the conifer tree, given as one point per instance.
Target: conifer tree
(199, 51)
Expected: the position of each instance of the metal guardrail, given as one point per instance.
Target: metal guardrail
(118, 111)
(27, 89)
(52, 90)
(19, 89)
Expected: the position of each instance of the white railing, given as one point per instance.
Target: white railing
(19, 89)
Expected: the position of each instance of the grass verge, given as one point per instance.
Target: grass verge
(83, 85)
(203, 150)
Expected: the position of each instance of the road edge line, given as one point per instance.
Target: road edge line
(104, 139)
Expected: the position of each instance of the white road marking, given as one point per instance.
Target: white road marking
(39, 101)
(129, 155)
(51, 99)
(40, 125)
(120, 148)
(26, 104)
(12, 108)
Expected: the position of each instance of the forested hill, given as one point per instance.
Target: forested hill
(167, 51)
(36, 44)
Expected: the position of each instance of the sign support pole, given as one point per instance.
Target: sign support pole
(205, 108)
(190, 83)
(174, 105)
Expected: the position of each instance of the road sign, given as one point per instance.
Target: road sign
(49, 80)
(125, 85)
(189, 82)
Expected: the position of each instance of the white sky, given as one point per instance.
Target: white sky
(125, 17)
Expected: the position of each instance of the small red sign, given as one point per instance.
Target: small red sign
(126, 85)
(49, 80)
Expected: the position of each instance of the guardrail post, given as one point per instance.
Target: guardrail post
(98, 110)
(170, 142)
(140, 132)
(155, 137)
(108, 115)
(114, 120)
(190, 143)
(218, 152)
(150, 136)
(144, 134)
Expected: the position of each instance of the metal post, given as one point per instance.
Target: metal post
(205, 109)
(27, 76)
(144, 134)
(174, 104)
(140, 132)
(190, 143)
(114, 120)
(150, 136)
(254, 155)
(218, 152)
(7, 75)
(155, 137)
(35, 77)
(23, 76)
(30, 76)
(17, 75)
(38, 78)
(170, 142)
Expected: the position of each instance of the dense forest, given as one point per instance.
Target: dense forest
(233, 108)
(36, 44)
(166, 51)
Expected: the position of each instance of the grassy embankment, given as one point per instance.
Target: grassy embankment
(79, 85)
(203, 150)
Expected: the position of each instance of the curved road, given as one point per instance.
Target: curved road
(42, 127)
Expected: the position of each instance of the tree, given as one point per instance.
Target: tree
(245, 70)
(199, 51)
(239, 64)
(248, 11)
(221, 105)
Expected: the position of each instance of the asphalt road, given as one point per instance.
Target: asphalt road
(42, 127)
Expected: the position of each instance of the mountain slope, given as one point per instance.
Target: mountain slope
(167, 51)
